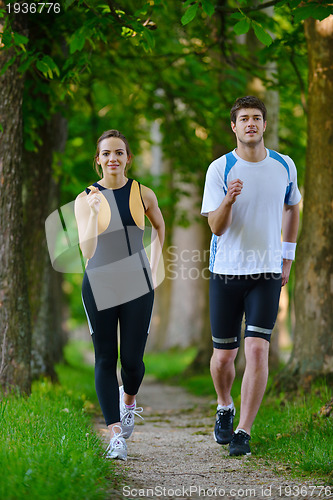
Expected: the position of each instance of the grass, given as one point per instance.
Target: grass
(49, 449)
(165, 365)
(292, 431)
(288, 429)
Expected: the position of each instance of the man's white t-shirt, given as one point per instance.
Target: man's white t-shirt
(252, 244)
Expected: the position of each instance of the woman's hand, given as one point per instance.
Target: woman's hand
(94, 201)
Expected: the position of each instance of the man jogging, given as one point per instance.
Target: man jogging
(250, 194)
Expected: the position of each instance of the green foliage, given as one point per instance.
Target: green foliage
(315, 8)
(76, 375)
(261, 34)
(72, 285)
(190, 13)
(102, 67)
(159, 364)
(242, 26)
(47, 66)
(183, 77)
(48, 446)
(208, 7)
(60, 47)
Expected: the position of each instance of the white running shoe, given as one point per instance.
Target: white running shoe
(117, 447)
(127, 415)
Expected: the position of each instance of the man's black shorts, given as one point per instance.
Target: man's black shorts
(256, 295)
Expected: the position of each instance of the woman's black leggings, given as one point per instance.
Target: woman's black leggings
(134, 321)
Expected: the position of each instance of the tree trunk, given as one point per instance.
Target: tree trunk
(185, 267)
(45, 295)
(205, 344)
(313, 347)
(15, 332)
(160, 319)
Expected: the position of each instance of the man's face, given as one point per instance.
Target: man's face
(249, 127)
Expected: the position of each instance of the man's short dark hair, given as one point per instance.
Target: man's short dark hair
(248, 101)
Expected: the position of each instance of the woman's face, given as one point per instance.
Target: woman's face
(112, 156)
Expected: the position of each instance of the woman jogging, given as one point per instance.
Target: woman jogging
(118, 284)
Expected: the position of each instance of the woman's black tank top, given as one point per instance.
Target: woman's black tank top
(120, 225)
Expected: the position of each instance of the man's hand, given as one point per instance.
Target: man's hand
(234, 189)
(286, 267)
(220, 219)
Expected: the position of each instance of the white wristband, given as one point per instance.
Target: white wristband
(288, 250)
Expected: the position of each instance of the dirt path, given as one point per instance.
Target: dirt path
(172, 455)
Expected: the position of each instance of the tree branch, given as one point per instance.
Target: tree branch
(263, 6)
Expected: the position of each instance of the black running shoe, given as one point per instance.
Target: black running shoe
(223, 429)
(239, 444)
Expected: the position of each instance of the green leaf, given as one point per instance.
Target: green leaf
(149, 38)
(47, 66)
(68, 3)
(7, 65)
(190, 14)
(242, 26)
(20, 39)
(42, 67)
(208, 7)
(6, 39)
(280, 4)
(51, 64)
(316, 12)
(25, 65)
(261, 34)
(77, 42)
(105, 9)
(237, 15)
(127, 32)
(141, 12)
(1, 128)
(294, 3)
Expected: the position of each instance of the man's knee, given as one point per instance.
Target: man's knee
(256, 349)
(223, 357)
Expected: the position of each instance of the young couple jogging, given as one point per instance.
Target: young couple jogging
(250, 194)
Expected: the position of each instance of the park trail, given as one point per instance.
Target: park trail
(172, 455)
